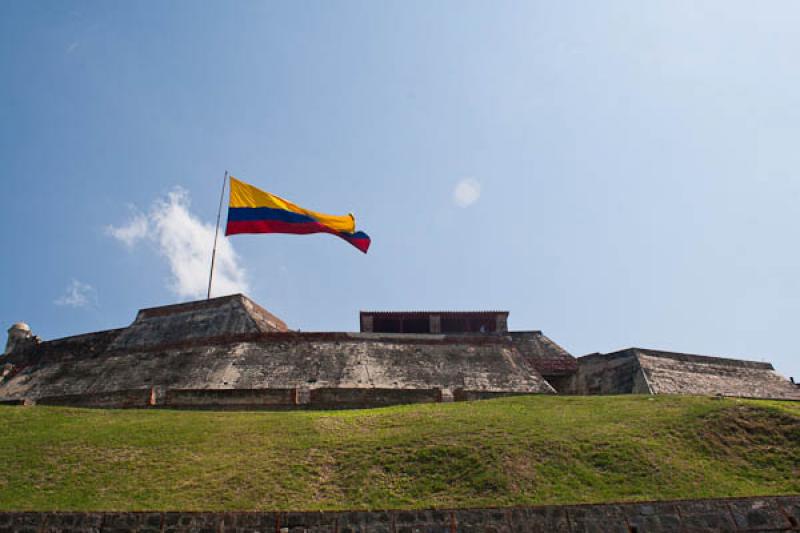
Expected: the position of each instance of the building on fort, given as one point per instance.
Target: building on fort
(228, 352)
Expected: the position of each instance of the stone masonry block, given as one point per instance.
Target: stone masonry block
(191, 522)
(699, 516)
(758, 514)
(87, 522)
(654, 517)
(539, 519)
(309, 522)
(246, 522)
(791, 509)
(597, 519)
(430, 521)
(482, 520)
(377, 522)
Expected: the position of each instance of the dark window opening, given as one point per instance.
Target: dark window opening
(420, 323)
(453, 325)
(482, 325)
(417, 325)
(468, 325)
(387, 325)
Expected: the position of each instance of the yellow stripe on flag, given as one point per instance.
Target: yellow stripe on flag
(245, 195)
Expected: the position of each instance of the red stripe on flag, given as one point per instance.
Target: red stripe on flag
(235, 227)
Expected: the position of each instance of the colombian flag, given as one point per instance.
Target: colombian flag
(252, 210)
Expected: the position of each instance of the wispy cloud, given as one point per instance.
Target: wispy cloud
(78, 294)
(466, 192)
(135, 230)
(71, 47)
(185, 242)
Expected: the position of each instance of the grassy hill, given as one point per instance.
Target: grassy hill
(524, 450)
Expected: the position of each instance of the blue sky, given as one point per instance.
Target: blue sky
(633, 166)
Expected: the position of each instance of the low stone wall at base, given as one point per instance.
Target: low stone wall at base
(18, 401)
(255, 399)
(336, 398)
(120, 399)
(229, 399)
(461, 395)
(778, 513)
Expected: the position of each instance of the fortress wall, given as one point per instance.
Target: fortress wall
(694, 375)
(547, 357)
(83, 346)
(461, 395)
(18, 401)
(286, 361)
(608, 374)
(134, 398)
(203, 319)
(228, 398)
(268, 399)
(703, 359)
(328, 398)
(644, 371)
(774, 513)
(337, 398)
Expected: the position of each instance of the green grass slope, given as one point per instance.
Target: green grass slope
(524, 450)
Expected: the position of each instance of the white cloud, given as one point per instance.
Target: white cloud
(185, 242)
(132, 232)
(72, 47)
(466, 192)
(78, 294)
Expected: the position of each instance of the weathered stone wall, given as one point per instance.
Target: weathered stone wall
(608, 374)
(643, 371)
(85, 346)
(232, 343)
(739, 515)
(283, 361)
(229, 315)
(227, 398)
(132, 398)
(547, 357)
(337, 398)
(461, 395)
(686, 374)
(247, 399)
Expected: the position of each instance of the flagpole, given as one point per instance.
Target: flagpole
(216, 234)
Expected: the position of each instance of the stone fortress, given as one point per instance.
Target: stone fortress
(229, 353)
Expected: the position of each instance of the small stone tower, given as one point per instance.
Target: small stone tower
(20, 337)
